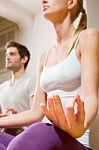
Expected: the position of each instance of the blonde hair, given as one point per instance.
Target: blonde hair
(82, 23)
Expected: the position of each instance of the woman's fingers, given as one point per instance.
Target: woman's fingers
(80, 108)
(70, 114)
(45, 111)
(55, 112)
(50, 111)
(59, 108)
(59, 113)
(44, 108)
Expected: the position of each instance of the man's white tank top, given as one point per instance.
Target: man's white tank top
(64, 79)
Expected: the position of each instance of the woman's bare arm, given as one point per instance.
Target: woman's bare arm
(87, 105)
(89, 44)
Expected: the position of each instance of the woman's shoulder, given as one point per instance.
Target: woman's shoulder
(89, 40)
(88, 35)
(89, 32)
(44, 55)
(41, 59)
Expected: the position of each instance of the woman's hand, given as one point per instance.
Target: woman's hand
(71, 122)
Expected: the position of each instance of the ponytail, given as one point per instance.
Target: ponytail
(83, 22)
(82, 25)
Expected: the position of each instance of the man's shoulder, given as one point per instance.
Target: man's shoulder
(3, 84)
(28, 79)
(28, 76)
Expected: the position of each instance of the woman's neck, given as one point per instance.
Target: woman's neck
(64, 30)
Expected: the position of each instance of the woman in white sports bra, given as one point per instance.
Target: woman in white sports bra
(68, 70)
(67, 81)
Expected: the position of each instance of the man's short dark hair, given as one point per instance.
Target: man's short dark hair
(22, 49)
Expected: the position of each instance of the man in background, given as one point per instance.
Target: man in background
(16, 94)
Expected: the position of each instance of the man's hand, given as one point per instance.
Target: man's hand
(8, 112)
(2, 115)
(11, 111)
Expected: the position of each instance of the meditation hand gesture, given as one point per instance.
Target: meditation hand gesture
(71, 122)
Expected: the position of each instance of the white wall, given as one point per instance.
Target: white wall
(93, 13)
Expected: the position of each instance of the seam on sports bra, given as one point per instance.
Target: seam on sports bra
(77, 40)
(45, 58)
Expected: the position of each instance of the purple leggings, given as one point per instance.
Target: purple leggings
(40, 136)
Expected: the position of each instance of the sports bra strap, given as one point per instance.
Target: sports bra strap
(77, 40)
(46, 56)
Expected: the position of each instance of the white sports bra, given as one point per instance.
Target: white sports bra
(63, 76)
